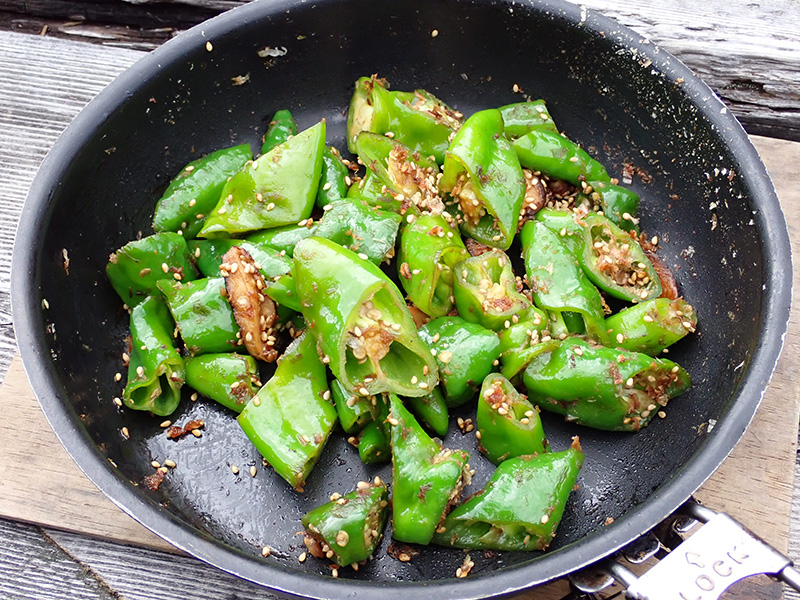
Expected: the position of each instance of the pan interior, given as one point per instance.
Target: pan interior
(627, 106)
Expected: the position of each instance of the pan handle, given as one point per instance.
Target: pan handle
(702, 567)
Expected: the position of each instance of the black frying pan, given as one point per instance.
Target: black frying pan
(615, 93)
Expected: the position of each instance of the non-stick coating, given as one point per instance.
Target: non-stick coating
(710, 203)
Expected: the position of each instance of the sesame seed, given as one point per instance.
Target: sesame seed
(125, 433)
(362, 256)
(117, 401)
(326, 395)
(545, 519)
(629, 382)
(234, 469)
(253, 471)
(414, 380)
(271, 206)
(256, 401)
(327, 186)
(155, 464)
(165, 424)
(573, 159)
(662, 414)
(197, 433)
(647, 318)
(363, 391)
(193, 397)
(164, 470)
(45, 303)
(478, 434)
(342, 537)
(302, 557)
(393, 421)
(654, 241)
(620, 338)
(170, 463)
(165, 267)
(434, 33)
(209, 47)
(266, 551)
(139, 371)
(423, 385)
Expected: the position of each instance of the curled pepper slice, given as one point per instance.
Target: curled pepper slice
(485, 290)
(374, 443)
(429, 249)
(483, 175)
(465, 353)
(194, 192)
(228, 378)
(519, 508)
(557, 156)
(619, 204)
(522, 117)
(616, 263)
(156, 370)
(360, 228)
(289, 419)
(135, 269)
(355, 412)
(431, 410)
(426, 478)
(278, 188)
(520, 342)
(360, 321)
(508, 425)
(332, 178)
(281, 128)
(348, 529)
(558, 283)
(653, 325)
(604, 388)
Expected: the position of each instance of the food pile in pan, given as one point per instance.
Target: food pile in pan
(388, 290)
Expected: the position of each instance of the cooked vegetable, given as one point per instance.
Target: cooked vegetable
(228, 378)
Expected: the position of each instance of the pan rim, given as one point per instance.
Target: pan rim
(41, 373)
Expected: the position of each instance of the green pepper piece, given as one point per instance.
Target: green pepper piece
(370, 189)
(228, 378)
(508, 425)
(486, 291)
(289, 419)
(426, 478)
(332, 179)
(520, 342)
(155, 370)
(401, 170)
(284, 238)
(281, 128)
(519, 508)
(374, 443)
(604, 388)
(616, 263)
(364, 230)
(194, 192)
(417, 119)
(567, 224)
(557, 156)
(557, 280)
(361, 322)
(465, 353)
(349, 529)
(484, 176)
(355, 412)
(431, 411)
(619, 204)
(429, 249)
(208, 256)
(651, 326)
(523, 117)
(276, 189)
(203, 315)
(136, 268)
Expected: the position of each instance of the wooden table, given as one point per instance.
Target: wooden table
(748, 51)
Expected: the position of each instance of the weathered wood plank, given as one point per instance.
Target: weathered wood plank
(33, 567)
(748, 52)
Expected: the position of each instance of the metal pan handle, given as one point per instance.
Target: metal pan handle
(701, 567)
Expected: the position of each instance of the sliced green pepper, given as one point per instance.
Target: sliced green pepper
(465, 353)
(349, 528)
(651, 326)
(276, 189)
(361, 322)
(557, 280)
(483, 175)
(431, 411)
(289, 419)
(136, 268)
(208, 256)
(355, 412)
(374, 443)
(508, 425)
(616, 263)
(284, 238)
(557, 156)
(370, 189)
(569, 226)
(519, 508)
(619, 204)
(365, 230)
(523, 117)
(228, 378)
(522, 341)
(281, 128)
(426, 478)
(202, 313)
(332, 179)
(604, 388)
(429, 249)
(194, 193)
(417, 119)
(155, 370)
(486, 291)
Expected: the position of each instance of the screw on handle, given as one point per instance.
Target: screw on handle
(702, 567)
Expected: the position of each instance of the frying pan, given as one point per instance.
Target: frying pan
(704, 193)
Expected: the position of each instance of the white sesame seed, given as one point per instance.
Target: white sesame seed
(139, 371)
(125, 433)
(209, 47)
(165, 424)
(434, 33)
(234, 469)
